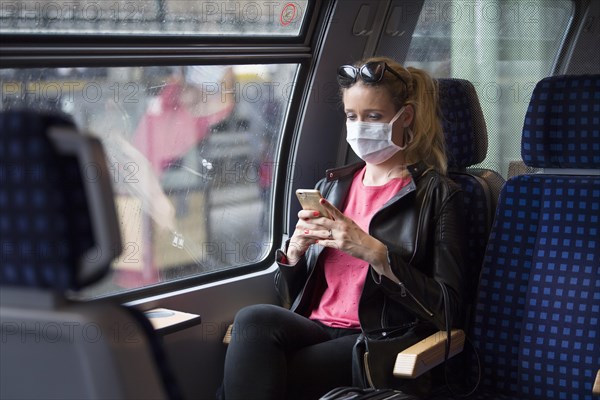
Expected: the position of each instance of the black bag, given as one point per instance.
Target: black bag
(354, 393)
(374, 356)
(375, 352)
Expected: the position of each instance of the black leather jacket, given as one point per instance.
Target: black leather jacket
(422, 229)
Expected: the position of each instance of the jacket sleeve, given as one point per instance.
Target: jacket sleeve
(420, 293)
(289, 279)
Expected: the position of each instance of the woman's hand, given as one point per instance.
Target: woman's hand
(309, 222)
(339, 232)
(344, 234)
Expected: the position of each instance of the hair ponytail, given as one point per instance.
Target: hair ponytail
(429, 143)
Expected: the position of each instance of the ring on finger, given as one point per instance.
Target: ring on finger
(330, 235)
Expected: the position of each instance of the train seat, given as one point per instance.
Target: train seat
(466, 143)
(536, 325)
(59, 234)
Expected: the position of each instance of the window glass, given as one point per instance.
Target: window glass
(190, 149)
(503, 47)
(153, 17)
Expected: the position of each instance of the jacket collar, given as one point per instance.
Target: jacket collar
(332, 174)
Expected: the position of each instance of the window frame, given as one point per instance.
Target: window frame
(38, 50)
(102, 39)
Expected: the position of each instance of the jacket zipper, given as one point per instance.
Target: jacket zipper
(404, 290)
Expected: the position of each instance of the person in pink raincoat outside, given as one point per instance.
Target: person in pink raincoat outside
(177, 120)
(183, 113)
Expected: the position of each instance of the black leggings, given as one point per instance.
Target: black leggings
(275, 353)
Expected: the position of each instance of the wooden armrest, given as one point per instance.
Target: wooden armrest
(429, 352)
(596, 388)
(227, 337)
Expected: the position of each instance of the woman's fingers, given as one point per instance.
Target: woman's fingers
(333, 211)
(308, 214)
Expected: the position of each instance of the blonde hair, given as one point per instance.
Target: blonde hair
(421, 92)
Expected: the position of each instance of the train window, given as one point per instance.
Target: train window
(154, 17)
(190, 150)
(503, 47)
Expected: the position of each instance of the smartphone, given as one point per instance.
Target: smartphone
(310, 200)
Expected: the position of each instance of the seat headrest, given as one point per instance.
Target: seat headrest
(57, 216)
(463, 123)
(562, 124)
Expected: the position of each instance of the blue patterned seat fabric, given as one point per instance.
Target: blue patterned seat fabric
(45, 221)
(537, 324)
(463, 123)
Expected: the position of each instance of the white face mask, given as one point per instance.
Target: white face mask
(372, 141)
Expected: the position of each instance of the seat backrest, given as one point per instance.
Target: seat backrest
(537, 322)
(466, 143)
(59, 234)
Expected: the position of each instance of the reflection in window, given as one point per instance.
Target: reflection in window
(190, 150)
(154, 17)
(503, 47)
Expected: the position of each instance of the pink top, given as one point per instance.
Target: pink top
(168, 130)
(345, 275)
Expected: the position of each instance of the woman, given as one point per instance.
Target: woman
(394, 235)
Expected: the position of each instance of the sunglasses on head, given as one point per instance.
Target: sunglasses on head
(371, 72)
